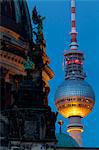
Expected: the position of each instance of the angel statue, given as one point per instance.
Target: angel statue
(38, 20)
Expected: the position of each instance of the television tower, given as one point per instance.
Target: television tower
(74, 98)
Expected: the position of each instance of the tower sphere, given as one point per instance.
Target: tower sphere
(74, 98)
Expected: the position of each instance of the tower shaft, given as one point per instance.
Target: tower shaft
(75, 129)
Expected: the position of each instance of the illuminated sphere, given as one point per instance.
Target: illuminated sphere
(74, 98)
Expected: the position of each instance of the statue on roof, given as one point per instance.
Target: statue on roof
(38, 20)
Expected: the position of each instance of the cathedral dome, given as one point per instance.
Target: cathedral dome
(16, 35)
(15, 16)
(65, 140)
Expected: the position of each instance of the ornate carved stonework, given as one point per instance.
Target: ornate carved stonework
(31, 123)
(12, 62)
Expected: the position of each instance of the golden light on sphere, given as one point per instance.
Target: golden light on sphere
(74, 106)
(76, 129)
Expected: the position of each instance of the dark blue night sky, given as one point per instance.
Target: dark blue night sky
(56, 32)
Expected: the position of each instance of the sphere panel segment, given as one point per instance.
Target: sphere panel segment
(74, 88)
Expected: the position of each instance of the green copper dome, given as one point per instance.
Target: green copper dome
(64, 140)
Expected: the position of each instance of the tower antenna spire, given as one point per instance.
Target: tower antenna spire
(73, 45)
